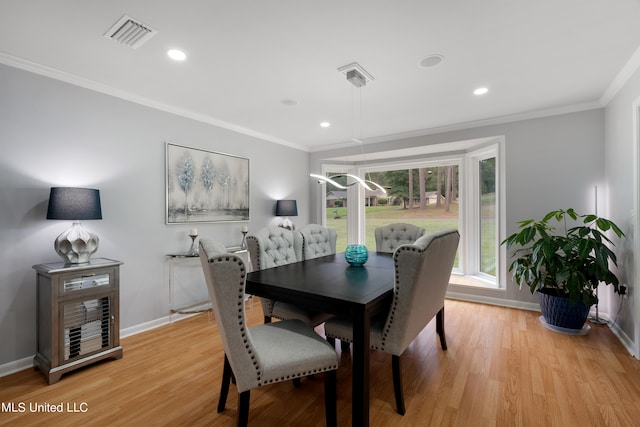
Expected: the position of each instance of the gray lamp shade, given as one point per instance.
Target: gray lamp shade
(74, 203)
(77, 244)
(286, 208)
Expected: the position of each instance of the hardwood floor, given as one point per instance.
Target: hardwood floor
(502, 368)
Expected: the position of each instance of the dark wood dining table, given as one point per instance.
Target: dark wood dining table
(329, 284)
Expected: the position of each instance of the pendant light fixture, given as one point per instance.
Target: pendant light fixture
(358, 77)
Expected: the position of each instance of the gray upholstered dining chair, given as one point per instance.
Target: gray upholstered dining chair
(263, 354)
(390, 236)
(318, 241)
(422, 272)
(273, 246)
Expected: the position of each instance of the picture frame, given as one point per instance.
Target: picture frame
(205, 186)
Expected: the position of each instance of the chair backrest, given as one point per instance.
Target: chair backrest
(318, 241)
(422, 272)
(274, 246)
(390, 236)
(225, 275)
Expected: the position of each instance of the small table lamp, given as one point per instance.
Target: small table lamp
(76, 244)
(286, 208)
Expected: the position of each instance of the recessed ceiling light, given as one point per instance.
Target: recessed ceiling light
(325, 124)
(176, 55)
(431, 61)
(480, 91)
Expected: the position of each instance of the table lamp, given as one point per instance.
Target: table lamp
(76, 244)
(286, 208)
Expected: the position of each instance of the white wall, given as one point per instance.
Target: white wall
(56, 134)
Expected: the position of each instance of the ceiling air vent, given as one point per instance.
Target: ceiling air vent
(129, 32)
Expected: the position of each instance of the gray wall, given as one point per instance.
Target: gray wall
(619, 171)
(56, 134)
(551, 163)
(53, 133)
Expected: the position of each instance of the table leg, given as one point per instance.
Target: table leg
(171, 278)
(360, 376)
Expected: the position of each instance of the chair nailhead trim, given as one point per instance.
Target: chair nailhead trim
(298, 375)
(240, 306)
(243, 332)
(396, 292)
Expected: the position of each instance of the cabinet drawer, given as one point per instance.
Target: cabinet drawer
(85, 282)
(72, 283)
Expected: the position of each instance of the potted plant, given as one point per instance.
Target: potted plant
(564, 266)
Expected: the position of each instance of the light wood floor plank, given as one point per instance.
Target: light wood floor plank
(502, 368)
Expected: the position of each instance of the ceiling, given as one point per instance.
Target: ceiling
(244, 58)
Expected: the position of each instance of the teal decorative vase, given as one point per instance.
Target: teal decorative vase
(356, 255)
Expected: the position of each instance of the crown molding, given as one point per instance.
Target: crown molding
(632, 65)
(75, 80)
(629, 69)
(574, 108)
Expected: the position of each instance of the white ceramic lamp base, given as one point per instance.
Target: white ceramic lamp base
(77, 244)
(287, 223)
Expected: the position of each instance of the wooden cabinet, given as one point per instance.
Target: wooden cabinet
(77, 315)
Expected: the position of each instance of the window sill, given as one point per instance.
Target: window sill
(475, 281)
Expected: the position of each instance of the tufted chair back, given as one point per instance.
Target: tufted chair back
(262, 354)
(225, 276)
(318, 241)
(389, 237)
(422, 272)
(271, 247)
(274, 246)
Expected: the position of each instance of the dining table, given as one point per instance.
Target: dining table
(329, 284)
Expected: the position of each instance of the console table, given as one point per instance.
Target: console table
(175, 260)
(77, 315)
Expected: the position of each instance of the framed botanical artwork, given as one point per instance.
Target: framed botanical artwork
(205, 186)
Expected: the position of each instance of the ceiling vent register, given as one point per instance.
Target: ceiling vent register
(129, 32)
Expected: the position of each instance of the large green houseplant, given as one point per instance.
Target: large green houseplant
(570, 262)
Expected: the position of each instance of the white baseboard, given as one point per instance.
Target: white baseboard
(143, 327)
(16, 366)
(626, 341)
(27, 362)
(147, 326)
(494, 301)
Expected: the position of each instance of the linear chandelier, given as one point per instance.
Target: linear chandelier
(357, 180)
(358, 77)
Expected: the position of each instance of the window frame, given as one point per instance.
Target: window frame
(473, 226)
(469, 208)
(423, 162)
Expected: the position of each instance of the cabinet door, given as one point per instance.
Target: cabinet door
(87, 325)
